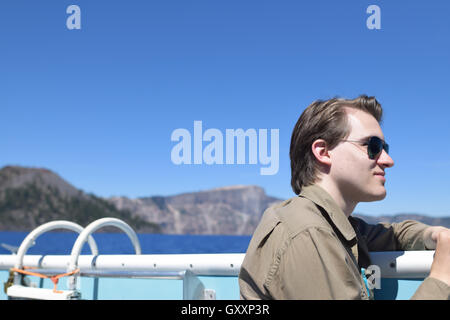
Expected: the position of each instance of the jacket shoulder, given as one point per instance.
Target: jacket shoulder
(298, 214)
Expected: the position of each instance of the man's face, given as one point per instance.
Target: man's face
(358, 178)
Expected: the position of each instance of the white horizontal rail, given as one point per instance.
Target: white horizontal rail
(395, 264)
(403, 264)
(200, 264)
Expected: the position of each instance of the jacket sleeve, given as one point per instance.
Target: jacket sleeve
(432, 289)
(406, 235)
(314, 265)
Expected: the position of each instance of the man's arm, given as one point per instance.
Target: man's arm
(440, 269)
(413, 235)
(406, 235)
(437, 285)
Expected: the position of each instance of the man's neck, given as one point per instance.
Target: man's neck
(346, 205)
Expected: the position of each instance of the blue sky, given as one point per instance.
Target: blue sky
(98, 105)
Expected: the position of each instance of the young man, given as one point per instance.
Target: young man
(309, 247)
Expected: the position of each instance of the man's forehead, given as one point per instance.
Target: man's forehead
(362, 124)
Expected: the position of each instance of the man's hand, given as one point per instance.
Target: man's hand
(440, 269)
(431, 235)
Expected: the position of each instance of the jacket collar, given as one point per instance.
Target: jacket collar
(323, 199)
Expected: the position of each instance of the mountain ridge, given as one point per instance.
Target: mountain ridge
(32, 196)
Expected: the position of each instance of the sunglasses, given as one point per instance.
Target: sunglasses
(374, 146)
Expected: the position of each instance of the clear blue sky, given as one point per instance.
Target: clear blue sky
(98, 105)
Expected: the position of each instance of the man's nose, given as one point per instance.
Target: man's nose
(385, 160)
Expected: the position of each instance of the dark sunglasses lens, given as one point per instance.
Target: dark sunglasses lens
(375, 147)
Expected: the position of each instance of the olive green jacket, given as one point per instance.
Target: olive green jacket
(307, 248)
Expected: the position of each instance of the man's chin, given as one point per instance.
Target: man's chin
(376, 196)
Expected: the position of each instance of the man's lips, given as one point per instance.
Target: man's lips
(381, 175)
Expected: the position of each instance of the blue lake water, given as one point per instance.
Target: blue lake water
(118, 243)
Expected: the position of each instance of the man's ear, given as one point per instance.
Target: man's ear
(320, 151)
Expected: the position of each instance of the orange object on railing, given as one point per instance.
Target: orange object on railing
(54, 278)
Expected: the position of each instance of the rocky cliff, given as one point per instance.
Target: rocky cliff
(30, 197)
(232, 210)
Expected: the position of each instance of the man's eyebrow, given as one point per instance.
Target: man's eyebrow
(362, 139)
(366, 138)
(373, 135)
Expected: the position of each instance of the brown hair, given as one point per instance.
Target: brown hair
(325, 120)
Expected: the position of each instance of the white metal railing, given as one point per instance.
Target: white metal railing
(393, 264)
(85, 234)
(403, 264)
(49, 226)
(17, 290)
(20, 291)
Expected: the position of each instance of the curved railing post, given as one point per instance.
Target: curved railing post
(33, 235)
(91, 228)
